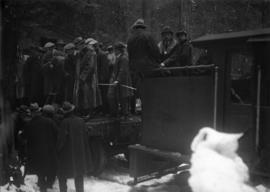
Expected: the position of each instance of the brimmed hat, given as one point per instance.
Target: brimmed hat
(139, 24)
(110, 47)
(23, 109)
(181, 32)
(166, 29)
(67, 107)
(77, 40)
(60, 42)
(49, 44)
(91, 41)
(34, 107)
(119, 46)
(69, 46)
(48, 109)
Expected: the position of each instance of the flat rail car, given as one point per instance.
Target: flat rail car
(111, 136)
(230, 95)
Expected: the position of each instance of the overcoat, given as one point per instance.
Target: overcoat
(180, 55)
(73, 148)
(33, 79)
(143, 52)
(41, 136)
(89, 93)
(121, 73)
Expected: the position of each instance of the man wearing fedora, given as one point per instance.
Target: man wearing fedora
(143, 55)
(41, 136)
(167, 42)
(181, 54)
(89, 96)
(73, 149)
(119, 93)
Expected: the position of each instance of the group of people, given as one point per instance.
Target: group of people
(80, 72)
(98, 79)
(52, 143)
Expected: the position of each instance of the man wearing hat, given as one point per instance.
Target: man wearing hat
(142, 49)
(111, 58)
(53, 73)
(88, 92)
(73, 149)
(70, 71)
(103, 76)
(181, 54)
(60, 46)
(33, 81)
(41, 136)
(143, 54)
(167, 42)
(119, 92)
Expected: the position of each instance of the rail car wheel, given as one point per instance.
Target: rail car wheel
(99, 156)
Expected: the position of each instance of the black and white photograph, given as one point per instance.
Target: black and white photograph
(135, 96)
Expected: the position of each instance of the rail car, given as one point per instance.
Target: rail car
(231, 95)
(111, 136)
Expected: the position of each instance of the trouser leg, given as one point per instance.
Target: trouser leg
(62, 184)
(42, 182)
(50, 180)
(79, 185)
(125, 106)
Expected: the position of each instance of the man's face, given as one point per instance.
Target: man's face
(182, 37)
(59, 47)
(167, 36)
(70, 51)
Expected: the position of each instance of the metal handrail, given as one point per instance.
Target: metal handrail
(186, 67)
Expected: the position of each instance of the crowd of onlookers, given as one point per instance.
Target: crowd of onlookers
(99, 79)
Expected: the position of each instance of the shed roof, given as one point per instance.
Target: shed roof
(231, 35)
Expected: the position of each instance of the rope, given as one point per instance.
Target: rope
(112, 84)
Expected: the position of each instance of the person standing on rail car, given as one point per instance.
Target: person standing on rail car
(142, 49)
(53, 72)
(181, 55)
(41, 136)
(33, 81)
(119, 93)
(73, 149)
(167, 42)
(70, 71)
(143, 55)
(88, 95)
(60, 48)
(103, 77)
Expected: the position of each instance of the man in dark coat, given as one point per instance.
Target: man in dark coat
(167, 42)
(142, 49)
(143, 55)
(103, 76)
(33, 81)
(181, 54)
(53, 72)
(121, 90)
(70, 71)
(41, 135)
(88, 94)
(73, 149)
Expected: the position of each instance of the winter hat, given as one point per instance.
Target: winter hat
(49, 45)
(166, 29)
(139, 24)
